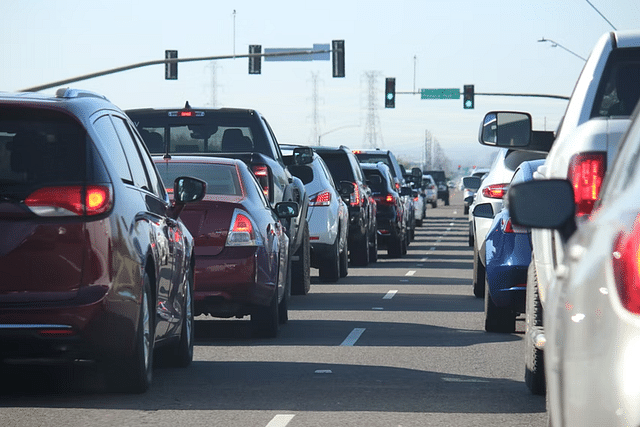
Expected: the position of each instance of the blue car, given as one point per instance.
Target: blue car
(508, 254)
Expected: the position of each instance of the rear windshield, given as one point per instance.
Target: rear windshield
(208, 133)
(376, 181)
(221, 179)
(619, 88)
(339, 167)
(375, 158)
(39, 148)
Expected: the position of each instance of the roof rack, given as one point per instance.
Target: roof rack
(67, 92)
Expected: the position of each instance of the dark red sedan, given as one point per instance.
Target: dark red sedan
(242, 260)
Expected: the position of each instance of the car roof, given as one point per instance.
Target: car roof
(197, 159)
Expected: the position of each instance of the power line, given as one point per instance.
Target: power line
(603, 17)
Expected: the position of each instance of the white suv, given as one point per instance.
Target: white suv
(586, 142)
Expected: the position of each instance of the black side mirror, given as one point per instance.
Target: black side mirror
(471, 182)
(302, 155)
(287, 209)
(483, 210)
(186, 190)
(347, 188)
(405, 191)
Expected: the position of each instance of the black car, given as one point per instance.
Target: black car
(346, 171)
(391, 217)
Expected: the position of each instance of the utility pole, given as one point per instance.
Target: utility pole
(314, 101)
(371, 126)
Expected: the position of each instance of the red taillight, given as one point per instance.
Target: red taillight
(355, 198)
(57, 332)
(508, 227)
(73, 200)
(586, 172)
(389, 199)
(262, 173)
(241, 232)
(495, 191)
(626, 267)
(320, 199)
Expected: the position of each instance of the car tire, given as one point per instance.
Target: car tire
(405, 244)
(180, 355)
(534, 376)
(360, 254)
(301, 268)
(418, 223)
(330, 267)
(466, 210)
(497, 319)
(394, 246)
(434, 204)
(446, 200)
(265, 322)
(134, 374)
(344, 259)
(373, 248)
(478, 275)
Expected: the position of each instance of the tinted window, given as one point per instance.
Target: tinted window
(111, 144)
(339, 167)
(140, 178)
(220, 179)
(39, 148)
(619, 88)
(376, 180)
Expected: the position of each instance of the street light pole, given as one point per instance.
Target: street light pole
(555, 43)
(333, 130)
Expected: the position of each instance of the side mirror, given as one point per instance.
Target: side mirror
(416, 173)
(469, 200)
(287, 209)
(302, 155)
(483, 210)
(187, 189)
(471, 182)
(405, 191)
(506, 129)
(543, 204)
(346, 188)
(305, 173)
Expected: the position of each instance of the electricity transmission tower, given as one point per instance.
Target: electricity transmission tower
(371, 134)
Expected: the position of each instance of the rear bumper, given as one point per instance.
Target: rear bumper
(232, 282)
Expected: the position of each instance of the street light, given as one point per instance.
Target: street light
(555, 43)
(333, 130)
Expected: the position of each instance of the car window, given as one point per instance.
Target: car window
(221, 179)
(339, 166)
(111, 144)
(38, 148)
(140, 178)
(157, 186)
(619, 88)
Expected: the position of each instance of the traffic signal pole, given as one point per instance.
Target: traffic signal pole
(164, 61)
(536, 95)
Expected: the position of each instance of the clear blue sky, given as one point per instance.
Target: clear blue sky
(492, 44)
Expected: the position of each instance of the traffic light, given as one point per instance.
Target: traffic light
(170, 68)
(468, 97)
(254, 61)
(390, 93)
(337, 57)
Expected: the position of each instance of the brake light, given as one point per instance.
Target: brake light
(508, 227)
(586, 172)
(495, 191)
(356, 197)
(626, 267)
(389, 199)
(73, 200)
(262, 173)
(241, 232)
(320, 199)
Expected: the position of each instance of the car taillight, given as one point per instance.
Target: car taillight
(586, 172)
(355, 198)
(626, 267)
(508, 227)
(495, 191)
(72, 200)
(320, 199)
(262, 173)
(242, 231)
(389, 199)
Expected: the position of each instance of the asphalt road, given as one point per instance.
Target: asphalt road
(397, 343)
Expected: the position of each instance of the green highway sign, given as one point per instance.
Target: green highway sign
(439, 93)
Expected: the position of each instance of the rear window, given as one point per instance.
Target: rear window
(619, 88)
(221, 179)
(376, 181)
(375, 158)
(39, 148)
(339, 167)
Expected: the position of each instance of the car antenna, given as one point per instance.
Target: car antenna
(187, 106)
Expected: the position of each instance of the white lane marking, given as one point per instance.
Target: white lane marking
(423, 259)
(390, 294)
(353, 337)
(377, 308)
(463, 380)
(280, 420)
(410, 273)
(323, 371)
